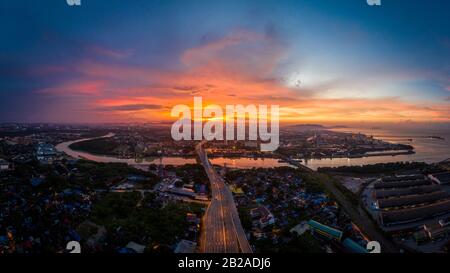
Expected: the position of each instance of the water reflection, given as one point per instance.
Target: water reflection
(427, 149)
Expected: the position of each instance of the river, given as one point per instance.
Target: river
(240, 163)
(427, 149)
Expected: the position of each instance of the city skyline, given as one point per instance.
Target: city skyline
(324, 62)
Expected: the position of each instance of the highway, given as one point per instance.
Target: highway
(222, 231)
(358, 215)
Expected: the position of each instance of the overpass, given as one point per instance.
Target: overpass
(222, 231)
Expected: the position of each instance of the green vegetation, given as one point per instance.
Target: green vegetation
(305, 243)
(380, 168)
(246, 219)
(314, 182)
(129, 217)
(101, 146)
(192, 172)
(104, 174)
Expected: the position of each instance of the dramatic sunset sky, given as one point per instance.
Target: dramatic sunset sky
(132, 61)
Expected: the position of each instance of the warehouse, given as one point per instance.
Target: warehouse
(413, 200)
(402, 178)
(410, 215)
(440, 178)
(401, 184)
(406, 191)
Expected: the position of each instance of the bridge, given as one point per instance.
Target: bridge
(222, 230)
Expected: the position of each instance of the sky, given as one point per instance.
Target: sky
(322, 61)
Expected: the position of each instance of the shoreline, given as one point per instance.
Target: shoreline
(243, 162)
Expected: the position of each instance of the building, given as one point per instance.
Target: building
(183, 192)
(4, 165)
(201, 197)
(325, 231)
(259, 234)
(36, 181)
(445, 222)
(263, 215)
(236, 190)
(300, 228)
(402, 216)
(402, 178)
(136, 178)
(435, 231)
(353, 246)
(192, 218)
(186, 246)
(440, 178)
(136, 247)
(390, 193)
(421, 237)
(45, 153)
(410, 198)
(431, 232)
(401, 184)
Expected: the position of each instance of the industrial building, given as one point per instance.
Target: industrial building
(336, 236)
(384, 193)
(325, 231)
(412, 200)
(409, 199)
(440, 178)
(403, 216)
(4, 165)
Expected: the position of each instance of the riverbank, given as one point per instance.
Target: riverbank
(242, 162)
(427, 150)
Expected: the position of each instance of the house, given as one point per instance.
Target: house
(300, 228)
(124, 186)
(236, 190)
(183, 192)
(36, 181)
(136, 247)
(192, 218)
(201, 189)
(136, 178)
(4, 165)
(186, 246)
(259, 234)
(45, 153)
(263, 215)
